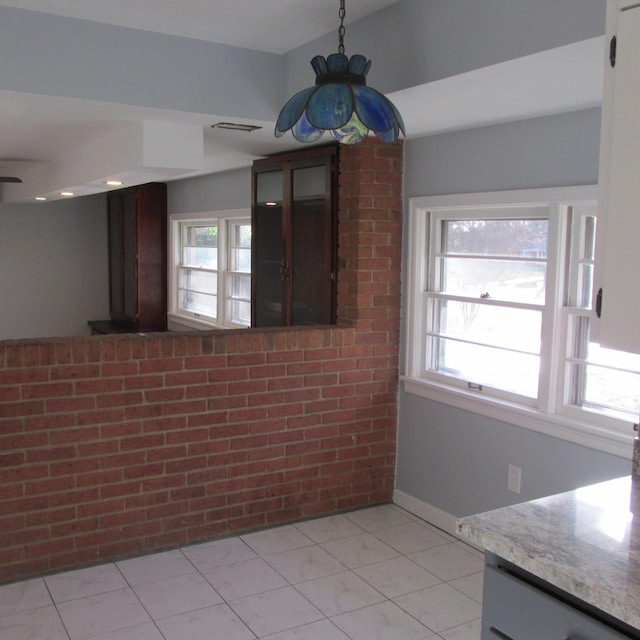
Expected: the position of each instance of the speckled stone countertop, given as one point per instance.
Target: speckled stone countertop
(586, 542)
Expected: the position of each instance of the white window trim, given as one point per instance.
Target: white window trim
(608, 435)
(547, 311)
(174, 248)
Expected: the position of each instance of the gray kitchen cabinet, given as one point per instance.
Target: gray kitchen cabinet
(516, 606)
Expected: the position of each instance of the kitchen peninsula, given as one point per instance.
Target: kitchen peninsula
(564, 566)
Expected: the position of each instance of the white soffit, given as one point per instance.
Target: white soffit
(77, 145)
(139, 152)
(558, 80)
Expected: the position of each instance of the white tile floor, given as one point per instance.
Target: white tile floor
(373, 574)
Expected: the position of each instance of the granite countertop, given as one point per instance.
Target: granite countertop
(586, 542)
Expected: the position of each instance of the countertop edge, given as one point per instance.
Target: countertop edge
(547, 568)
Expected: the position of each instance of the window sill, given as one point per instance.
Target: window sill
(189, 322)
(594, 436)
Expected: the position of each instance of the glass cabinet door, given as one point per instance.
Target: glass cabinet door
(311, 250)
(268, 253)
(130, 258)
(116, 256)
(294, 240)
(123, 254)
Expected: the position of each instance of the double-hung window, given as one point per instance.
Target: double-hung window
(210, 283)
(498, 314)
(486, 299)
(604, 382)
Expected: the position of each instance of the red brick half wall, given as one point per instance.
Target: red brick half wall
(113, 446)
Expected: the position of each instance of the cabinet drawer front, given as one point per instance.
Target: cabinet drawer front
(515, 610)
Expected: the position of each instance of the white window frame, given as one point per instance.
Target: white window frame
(547, 310)
(222, 220)
(549, 415)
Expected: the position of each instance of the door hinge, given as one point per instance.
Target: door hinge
(599, 303)
(613, 45)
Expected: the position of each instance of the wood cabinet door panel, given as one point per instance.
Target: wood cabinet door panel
(138, 257)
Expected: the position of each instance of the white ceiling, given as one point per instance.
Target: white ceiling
(36, 131)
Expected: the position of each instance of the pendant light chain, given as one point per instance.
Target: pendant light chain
(341, 30)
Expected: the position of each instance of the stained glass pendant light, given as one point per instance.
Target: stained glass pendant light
(340, 102)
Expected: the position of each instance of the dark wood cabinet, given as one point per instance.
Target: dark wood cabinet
(138, 257)
(294, 238)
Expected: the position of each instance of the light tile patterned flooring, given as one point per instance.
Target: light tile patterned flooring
(373, 574)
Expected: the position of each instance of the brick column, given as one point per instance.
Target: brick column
(370, 235)
(369, 256)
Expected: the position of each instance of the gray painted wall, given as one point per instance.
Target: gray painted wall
(452, 459)
(54, 266)
(218, 192)
(552, 151)
(59, 56)
(418, 41)
(457, 461)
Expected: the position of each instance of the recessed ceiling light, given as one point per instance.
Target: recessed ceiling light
(66, 193)
(114, 183)
(40, 198)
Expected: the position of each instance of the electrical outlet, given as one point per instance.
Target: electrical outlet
(514, 476)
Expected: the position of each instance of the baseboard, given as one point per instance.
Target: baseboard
(427, 512)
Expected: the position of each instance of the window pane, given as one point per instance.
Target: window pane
(240, 312)
(504, 327)
(240, 286)
(201, 236)
(584, 259)
(578, 336)
(200, 257)
(585, 285)
(200, 245)
(516, 238)
(509, 280)
(200, 303)
(240, 247)
(610, 389)
(196, 280)
(599, 378)
(589, 238)
(612, 358)
(506, 370)
(242, 235)
(241, 260)
(613, 379)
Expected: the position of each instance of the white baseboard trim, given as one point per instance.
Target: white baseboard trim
(427, 512)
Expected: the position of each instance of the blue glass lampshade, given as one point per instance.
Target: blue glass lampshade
(341, 103)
